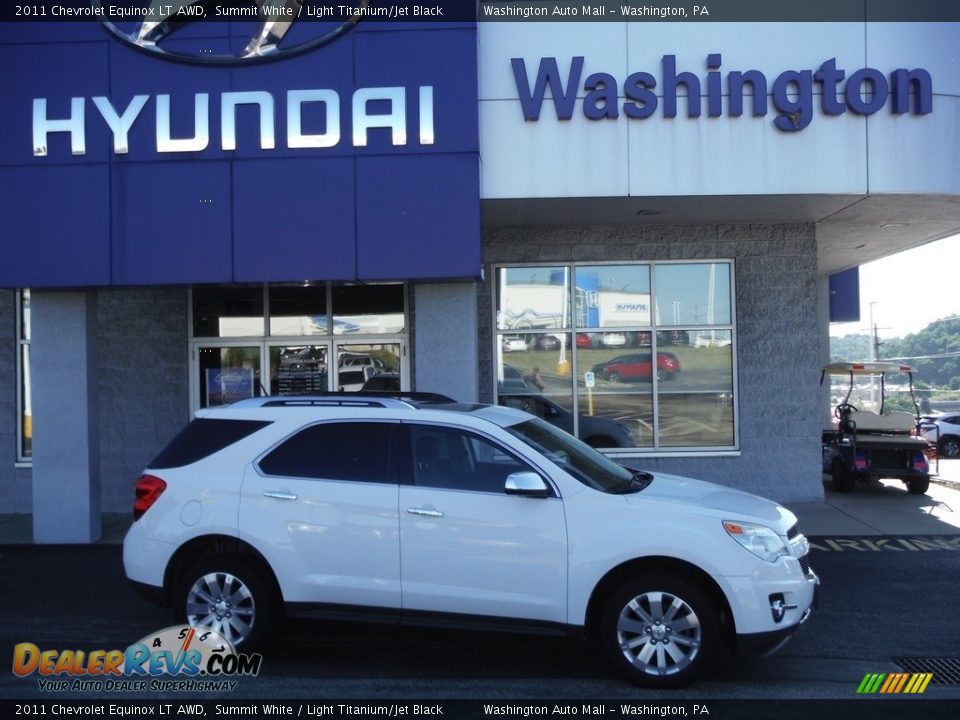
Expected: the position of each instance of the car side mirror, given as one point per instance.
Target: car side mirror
(527, 484)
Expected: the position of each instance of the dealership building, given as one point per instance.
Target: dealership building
(629, 229)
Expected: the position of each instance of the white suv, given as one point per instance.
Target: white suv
(417, 508)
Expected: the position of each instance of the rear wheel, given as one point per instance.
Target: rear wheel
(614, 377)
(949, 447)
(918, 486)
(843, 479)
(228, 594)
(661, 631)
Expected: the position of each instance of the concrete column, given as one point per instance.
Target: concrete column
(445, 340)
(823, 319)
(66, 472)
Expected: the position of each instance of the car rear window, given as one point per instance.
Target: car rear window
(201, 438)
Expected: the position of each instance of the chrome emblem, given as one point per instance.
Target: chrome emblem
(159, 19)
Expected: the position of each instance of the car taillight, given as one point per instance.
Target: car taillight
(149, 488)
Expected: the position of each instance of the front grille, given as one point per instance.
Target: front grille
(793, 532)
(946, 671)
(805, 563)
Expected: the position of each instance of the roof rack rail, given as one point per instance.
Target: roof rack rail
(360, 398)
(320, 402)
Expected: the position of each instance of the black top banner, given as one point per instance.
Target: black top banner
(459, 11)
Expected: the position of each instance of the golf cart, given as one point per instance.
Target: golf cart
(866, 445)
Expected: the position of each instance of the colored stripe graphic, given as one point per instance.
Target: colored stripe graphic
(894, 683)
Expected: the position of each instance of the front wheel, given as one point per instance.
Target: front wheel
(661, 632)
(229, 595)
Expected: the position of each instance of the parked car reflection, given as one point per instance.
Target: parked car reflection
(596, 431)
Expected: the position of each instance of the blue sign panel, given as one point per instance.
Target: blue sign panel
(357, 160)
(845, 296)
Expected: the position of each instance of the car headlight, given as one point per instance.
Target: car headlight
(758, 539)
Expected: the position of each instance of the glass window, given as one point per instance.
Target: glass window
(298, 310)
(203, 437)
(458, 460)
(631, 372)
(358, 365)
(363, 309)
(693, 294)
(228, 311)
(298, 369)
(24, 411)
(610, 296)
(350, 451)
(533, 298)
(228, 374)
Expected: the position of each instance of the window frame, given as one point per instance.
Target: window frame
(693, 329)
(24, 399)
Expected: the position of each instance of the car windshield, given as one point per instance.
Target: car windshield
(593, 469)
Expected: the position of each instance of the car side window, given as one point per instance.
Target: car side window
(459, 460)
(352, 451)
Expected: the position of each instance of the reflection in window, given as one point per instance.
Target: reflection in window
(228, 374)
(612, 296)
(298, 310)
(533, 298)
(365, 309)
(693, 294)
(631, 373)
(228, 311)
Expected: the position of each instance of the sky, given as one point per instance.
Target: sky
(910, 290)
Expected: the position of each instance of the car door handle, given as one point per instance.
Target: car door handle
(278, 495)
(425, 512)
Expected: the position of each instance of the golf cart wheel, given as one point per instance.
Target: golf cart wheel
(918, 486)
(949, 447)
(843, 479)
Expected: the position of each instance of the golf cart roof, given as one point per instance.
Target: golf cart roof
(867, 368)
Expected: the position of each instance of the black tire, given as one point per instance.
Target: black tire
(843, 480)
(949, 447)
(614, 377)
(670, 654)
(918, 486)
(229, 594)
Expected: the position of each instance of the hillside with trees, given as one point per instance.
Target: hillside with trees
(934, 351)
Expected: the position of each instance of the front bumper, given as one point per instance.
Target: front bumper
(769, 642)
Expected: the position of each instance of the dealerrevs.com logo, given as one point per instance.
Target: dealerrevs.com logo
(178, 658)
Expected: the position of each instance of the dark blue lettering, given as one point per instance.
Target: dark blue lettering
(603, 89)
(636, 90)
(901, 82)
(714, 91)
(758, 85)
(877, 92)
(671, 82)
(548, 74)
(794, 114)
(829, 77)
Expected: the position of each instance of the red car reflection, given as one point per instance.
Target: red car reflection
(638, 366)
